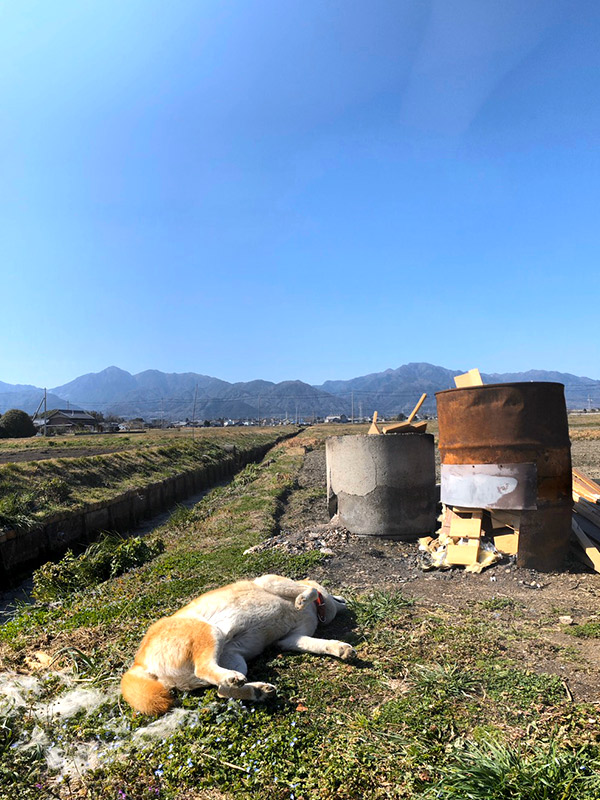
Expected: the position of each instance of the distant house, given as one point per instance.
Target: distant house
(336, 418)
(69, 419)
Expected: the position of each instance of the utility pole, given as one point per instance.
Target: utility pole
(194, 412)
(45, 418)
(259, 409)
(353, 408)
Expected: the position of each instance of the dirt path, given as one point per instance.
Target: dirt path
(56, 452)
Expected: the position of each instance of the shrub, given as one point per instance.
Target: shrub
(16, 424)
(108, 558)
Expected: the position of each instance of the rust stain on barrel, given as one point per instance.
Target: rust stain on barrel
(511, 423)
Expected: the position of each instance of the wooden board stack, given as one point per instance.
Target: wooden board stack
(586, 519)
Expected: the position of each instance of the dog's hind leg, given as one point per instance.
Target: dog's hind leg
(253, 690)
(323, 647)
(299, 593)
(207, 647)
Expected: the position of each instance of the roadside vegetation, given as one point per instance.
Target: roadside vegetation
(32, 490)
(434, 707)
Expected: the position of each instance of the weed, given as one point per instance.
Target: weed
(588, 630)
(181, 517)
(378, 607)
(500, 603)
(109, 557)
(523, 688)
(493, 771)
(446, 681)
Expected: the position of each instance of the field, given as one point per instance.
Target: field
(41, 477)
(466, 686)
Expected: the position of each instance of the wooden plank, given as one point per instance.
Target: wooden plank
(374, 429)
(584, 486)
(589, 548)
(446, 519)
(591, 530)
(505, 519)
(470, 378)
(462, 554)
(588, 510)
(405, 427)
(413, 413)
(584, 479)
(507, 542)
(465, 527)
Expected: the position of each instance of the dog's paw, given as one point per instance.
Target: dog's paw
(263, 691)
(346, 652)
(307, 596)
(234, 679)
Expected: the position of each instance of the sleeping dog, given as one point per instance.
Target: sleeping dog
(207, 642)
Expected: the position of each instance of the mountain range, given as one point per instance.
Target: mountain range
(171, 396)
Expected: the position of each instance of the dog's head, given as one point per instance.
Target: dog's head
(331, 603)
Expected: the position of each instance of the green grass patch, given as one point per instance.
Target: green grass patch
(494, 771)
(587, 630)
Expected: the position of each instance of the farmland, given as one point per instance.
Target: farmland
(41, 477)
(465, 685)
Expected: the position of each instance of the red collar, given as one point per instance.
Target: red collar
(320, 604)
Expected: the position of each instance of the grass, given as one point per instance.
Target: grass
(587, 630)
(435, 706)
(31, 491)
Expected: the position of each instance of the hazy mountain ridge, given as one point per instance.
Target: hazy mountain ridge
(153, 394)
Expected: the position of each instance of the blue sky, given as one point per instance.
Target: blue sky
(298, 189)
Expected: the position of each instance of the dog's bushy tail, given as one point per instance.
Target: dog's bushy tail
(144, 693)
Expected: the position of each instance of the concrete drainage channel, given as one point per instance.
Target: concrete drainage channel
(22, 551)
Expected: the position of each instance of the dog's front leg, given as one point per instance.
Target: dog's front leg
(323, 647)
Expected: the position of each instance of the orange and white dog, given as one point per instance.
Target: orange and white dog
(207, 642)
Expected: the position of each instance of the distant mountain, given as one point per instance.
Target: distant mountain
(158, 395)
(397, 390)
(171, 396)
(97, 387)
(394, 390)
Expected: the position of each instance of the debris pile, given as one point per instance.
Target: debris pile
(463, 541)
(323, 538)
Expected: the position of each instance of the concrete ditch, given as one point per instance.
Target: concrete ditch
(22, 550)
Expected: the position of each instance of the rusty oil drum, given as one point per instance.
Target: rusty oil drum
(524, 426)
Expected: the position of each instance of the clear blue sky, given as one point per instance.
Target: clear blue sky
(305, 189)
